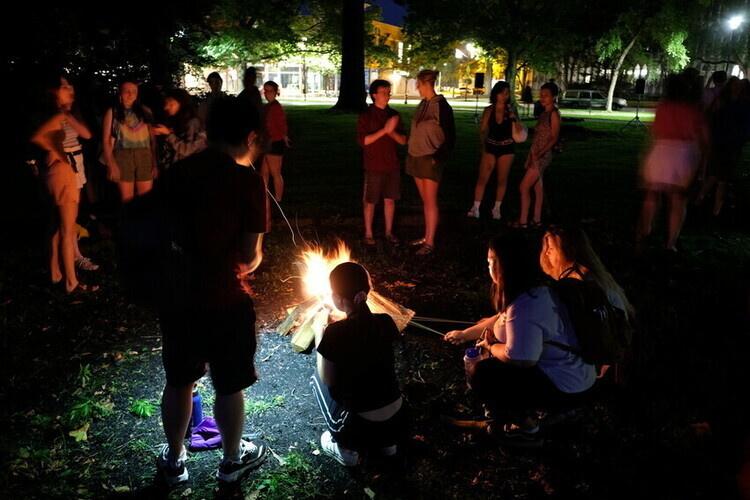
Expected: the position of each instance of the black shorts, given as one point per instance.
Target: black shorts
(277, 148)
(497, 151)
(382, 185)
(222, 338)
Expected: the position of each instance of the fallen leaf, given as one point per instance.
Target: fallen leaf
(316, 452)
(369, 493)
(80, 434)
(122, 489)
(187, 492)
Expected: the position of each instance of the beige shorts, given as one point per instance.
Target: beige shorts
(62, 184)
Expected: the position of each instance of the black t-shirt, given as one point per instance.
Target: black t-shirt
(212, 201)
(360, 347)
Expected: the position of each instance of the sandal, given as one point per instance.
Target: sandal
(417, 243)
(392, 240)
(425, 249)
(370, 242)
(80, 288)
(519, 225)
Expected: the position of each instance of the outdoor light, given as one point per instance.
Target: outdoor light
(735, 22)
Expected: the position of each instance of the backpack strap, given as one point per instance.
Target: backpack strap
(570, 270)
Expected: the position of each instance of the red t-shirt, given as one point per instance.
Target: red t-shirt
(275, 121)
(678, 121)
(381, 156)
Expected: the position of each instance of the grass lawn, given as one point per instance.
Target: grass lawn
(83, 378)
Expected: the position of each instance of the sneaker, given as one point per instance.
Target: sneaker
(473, 213)
(86, 264)
(252, 454)
(513, 435)
(496, 214)
(173, 474)
(349, 458)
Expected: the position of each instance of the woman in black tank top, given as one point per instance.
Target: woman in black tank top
(497, 130)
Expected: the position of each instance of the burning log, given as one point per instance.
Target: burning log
(313, 315)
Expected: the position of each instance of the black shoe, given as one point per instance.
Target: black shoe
(252, 454)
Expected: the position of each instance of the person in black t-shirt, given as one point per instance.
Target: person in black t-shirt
(215, 206)
(355, 382)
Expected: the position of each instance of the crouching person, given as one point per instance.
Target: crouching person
(528, 364)
(355, 382)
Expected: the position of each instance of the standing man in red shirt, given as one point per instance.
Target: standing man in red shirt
(379, 131)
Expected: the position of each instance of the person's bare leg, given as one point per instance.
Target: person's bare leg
(485, 170)
(143, 187)
(677, 205)
(68, 214)
(229, 411)
(421, 187)
(369, 215)
(431, 210)
(274, 166)
(176, 407)
(527, 183)
(389, 209)
(127, 190)
(721, 191)
(538, 200)
(503, 169)
(648, 212)
(54, 257)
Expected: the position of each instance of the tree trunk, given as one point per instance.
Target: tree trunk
(616, 72)
(352, 89)
(510, 73)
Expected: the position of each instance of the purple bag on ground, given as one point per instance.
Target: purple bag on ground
(205, 436)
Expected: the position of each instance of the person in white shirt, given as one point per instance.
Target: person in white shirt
(523, 370)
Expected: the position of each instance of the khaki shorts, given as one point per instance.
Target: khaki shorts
(62, 184)
(135, 164)
(382, 185)
(424, 167)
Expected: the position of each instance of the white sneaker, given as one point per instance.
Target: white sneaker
(252, 455)
(496, 213)
(349, 458)
(474, 213)
(173, 474)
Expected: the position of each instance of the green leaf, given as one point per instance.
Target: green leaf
(81, 433)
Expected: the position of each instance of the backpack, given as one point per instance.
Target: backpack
(603, 331)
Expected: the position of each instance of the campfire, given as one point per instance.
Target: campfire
(312, 315)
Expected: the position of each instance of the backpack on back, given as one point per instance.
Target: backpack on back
(603, 332)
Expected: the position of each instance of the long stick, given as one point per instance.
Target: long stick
(426, 328)
(428, 319)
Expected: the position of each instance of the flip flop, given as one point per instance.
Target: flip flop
(81, 288)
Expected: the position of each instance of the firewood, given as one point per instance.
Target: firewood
(296, 313)
(305, 334)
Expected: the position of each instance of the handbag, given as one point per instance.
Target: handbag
(519, 136)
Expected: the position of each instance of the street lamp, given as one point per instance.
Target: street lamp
(735, 22)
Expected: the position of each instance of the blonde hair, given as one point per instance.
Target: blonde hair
(427, 76)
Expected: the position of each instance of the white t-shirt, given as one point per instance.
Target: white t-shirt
(536, 317)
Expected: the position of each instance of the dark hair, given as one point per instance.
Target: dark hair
(273, 85)
(576, 247)
(428, 76)
(552, 87)
(719, 77)
(518, 257)
(143, 113)
(230, 121)
(187, 110)
(377, 85)
(250, 72)
(348, 279)
(214, 74)
(497, 89)
(50, 83)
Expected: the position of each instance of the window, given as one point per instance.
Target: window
(597, 95)
(573, 94)
(585, 94)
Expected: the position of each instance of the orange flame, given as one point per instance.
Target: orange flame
(317, 266)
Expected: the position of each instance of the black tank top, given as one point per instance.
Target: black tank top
(499, 132)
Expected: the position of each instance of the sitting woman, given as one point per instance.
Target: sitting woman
(355, 382)
(567, 256)
(523, 370)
